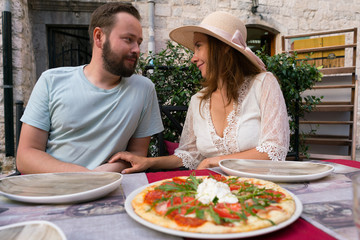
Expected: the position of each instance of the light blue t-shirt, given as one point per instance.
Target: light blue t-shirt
(87, 124)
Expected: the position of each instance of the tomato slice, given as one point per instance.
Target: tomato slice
(179, 180)
(154, 195)
(184, 209)
(176, 180)
(236, 186)
(188, 221)
(227, 210)
(273, 195)
(179, 200)
(219, 178)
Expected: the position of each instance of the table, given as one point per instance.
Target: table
(327, 209)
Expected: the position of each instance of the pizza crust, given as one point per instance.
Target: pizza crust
(253, 223)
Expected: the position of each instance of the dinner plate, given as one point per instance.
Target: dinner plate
(32, 230)
(59, 187)
(130, 210)
(276, 171)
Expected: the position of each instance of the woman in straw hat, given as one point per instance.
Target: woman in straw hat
(240, 112)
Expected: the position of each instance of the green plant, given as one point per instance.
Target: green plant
(294, 78)
(176, 79)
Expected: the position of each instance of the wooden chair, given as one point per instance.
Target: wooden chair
(167, 111)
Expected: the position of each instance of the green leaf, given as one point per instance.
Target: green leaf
(214, 215)
(199, 213)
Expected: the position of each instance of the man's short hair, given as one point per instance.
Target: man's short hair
(104, 17)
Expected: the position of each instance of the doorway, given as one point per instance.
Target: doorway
(68, 46)
(258, 38)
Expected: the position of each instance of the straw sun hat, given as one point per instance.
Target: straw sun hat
(223, 26)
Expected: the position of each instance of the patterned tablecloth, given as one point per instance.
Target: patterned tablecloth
(327, 209)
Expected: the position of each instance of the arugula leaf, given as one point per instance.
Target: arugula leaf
(154, 203)
(214, 215)
(175, 187)
(230, 220)
(193, 181)
(240, 214)
(199, 213)
(170, 210)
(190, 210)
(269, 220)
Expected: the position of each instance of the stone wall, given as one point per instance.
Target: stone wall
(23, 55)
(22, 60)
(287, 17)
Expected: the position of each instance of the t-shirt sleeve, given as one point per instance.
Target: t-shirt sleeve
(150, 122)
(37, 109)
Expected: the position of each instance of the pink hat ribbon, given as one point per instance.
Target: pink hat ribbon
(236, 39)
(239, 40)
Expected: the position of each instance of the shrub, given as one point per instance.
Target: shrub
(294, 78)
(176, 79)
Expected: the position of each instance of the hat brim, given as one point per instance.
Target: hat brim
(185, 35)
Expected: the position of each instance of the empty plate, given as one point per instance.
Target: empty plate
(59, 187)
(277, 171)
(31, 230)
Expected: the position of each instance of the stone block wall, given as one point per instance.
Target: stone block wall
(22, 58)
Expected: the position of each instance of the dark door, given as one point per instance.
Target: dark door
(68, 46)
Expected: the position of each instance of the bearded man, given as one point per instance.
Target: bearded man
(77, 118)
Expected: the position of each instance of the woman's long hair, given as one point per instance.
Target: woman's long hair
(228, 64)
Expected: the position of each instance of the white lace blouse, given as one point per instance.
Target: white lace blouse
(259, 120)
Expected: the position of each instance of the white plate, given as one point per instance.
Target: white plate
(129, 209)
(32, 230)
(59, 187)
(277, 171)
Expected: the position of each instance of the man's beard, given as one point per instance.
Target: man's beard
(115, 64)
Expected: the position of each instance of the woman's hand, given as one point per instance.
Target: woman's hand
(137, 163)
(209, 163)
(248, 154)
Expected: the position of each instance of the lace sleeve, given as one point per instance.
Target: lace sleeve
(275, 132)
(187, 149)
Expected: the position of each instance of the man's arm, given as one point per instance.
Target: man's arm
(139, 146)
(32, 158)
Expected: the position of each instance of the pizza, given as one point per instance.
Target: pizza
(214, 204)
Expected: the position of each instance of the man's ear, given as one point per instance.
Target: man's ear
(99, 37)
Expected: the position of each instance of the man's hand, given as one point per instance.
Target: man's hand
(138, 163)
